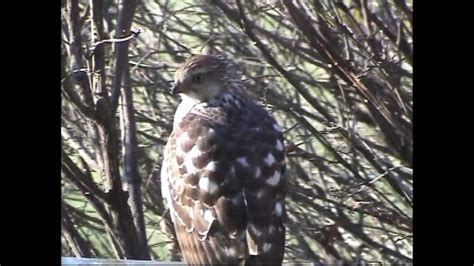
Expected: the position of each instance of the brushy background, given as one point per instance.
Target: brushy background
(336, 74)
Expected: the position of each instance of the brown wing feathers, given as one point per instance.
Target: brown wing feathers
(226, 188)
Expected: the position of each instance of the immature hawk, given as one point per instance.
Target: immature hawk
(222, 173)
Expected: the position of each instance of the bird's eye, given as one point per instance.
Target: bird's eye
(198, 77)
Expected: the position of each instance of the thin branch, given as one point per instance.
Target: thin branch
(125, 18)
(132, 175)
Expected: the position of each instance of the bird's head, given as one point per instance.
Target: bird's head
(203, 77)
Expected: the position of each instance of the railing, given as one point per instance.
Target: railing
(94, 261)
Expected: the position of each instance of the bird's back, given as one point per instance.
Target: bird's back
(223, 180)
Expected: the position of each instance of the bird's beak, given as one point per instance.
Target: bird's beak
(176, 88)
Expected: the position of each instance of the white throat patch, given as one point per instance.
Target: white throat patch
(187, 103)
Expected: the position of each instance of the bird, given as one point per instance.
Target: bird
(222, 175)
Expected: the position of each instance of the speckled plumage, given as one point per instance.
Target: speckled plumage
(222, 172)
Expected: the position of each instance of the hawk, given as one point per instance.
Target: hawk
(223, 165)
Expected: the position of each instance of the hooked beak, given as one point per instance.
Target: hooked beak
(176, 88)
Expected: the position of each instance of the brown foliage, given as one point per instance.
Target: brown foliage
(336, 74)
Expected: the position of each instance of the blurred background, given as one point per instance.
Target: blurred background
(336, 74)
